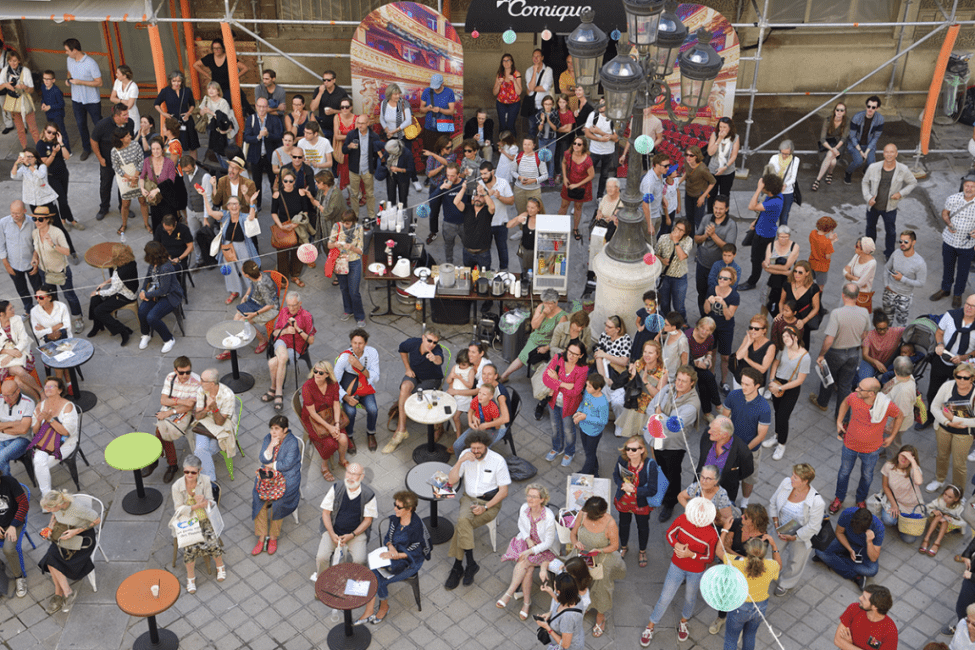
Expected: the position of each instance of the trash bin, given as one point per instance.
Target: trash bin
(514, 332)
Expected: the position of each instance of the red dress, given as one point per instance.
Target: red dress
(628, 502)
(311, 395)
(576, 172)
(344, 167)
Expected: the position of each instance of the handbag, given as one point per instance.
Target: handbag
(543, 636)
(749, 239)
(270, 482)
(865, 299)
(912, 523)
(252, 227)
(796, 191)
(576, 193)
(228, 250)
(414, 130)
(189, 532)
(47, 439)
(358, 383)
(821, 540)
(333, 255)
(445, 125)
(282, 238)
(55, 277)
(516, 547)
(200, 120)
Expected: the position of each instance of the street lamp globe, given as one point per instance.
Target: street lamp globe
(622, 78)
(671, 35)
(642, 17)
(699, 67)
(587, 45)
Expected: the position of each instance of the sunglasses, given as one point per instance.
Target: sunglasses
(869, 107)
(633, 448)
(189, 473)
(328, 78)
(905, 242)
(840, 110)
(755, 329)
(288, 180)
(39, 298)
(468, 151)
(964, 377)
(297, 157)
(429, 340)
(721, 277)
(345, 108)
(319, 372)
(39, 219)
(576, 144)
(183, 373)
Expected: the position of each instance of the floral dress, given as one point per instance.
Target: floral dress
(545, 556)
(577, 172)
(128, 161)
(507, 94)
(627, 503)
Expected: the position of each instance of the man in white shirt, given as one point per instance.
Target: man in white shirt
(348, 511)
(653, 184)
(486, 482)
(602, 146)
(318, 150)
(504, 198)
(16, 412)
(539, 79)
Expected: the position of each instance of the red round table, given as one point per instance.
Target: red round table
(330, 589)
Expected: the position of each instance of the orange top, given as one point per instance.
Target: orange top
(135, 598)
(820, 247)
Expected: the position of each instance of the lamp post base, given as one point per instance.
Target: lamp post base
(620, 286)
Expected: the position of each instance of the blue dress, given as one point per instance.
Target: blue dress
(412, 539)
(289, 464)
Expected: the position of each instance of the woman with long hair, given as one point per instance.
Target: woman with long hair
(126, 91)
(127, 161)
(55, 412)
(566, 378)
(759, 572)
(179, 103)
(507, 90)
(16, 79)
(672, 250)
(343, 123)
(323, 416)
(566, 622)
(162, 171)
(235, 247)
(635, 476)
(702, 346)
(652, 375)
(577, 172)
(526, 220)
(723, 148)
(807, 296)
(286, 203)
(347, 236)
(752, 524)
(789, 370)
(832, 141)
(161, 293)
(756, 350)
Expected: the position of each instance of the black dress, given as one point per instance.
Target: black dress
(176, 105)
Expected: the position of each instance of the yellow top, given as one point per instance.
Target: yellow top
(757, 587)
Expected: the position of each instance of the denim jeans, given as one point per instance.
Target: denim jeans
(890, 520)
(868, 461)
(508, 117)
(890, 228)
(549, 143)
(26, 284)
(451, 231)
(837, 558)
(563, 432)
(151, 314)
(74, 306)
(672, 582)
(496, 436)
(856, 160)
(349, 284)
(745, 621)
(787, 200)
(673, 292)
(482, 259)
(81, 114)
(589, 446)
(372, 413)
(951, 256)
(206, 447)
(500, 235)
(12, 450)
(864, 371)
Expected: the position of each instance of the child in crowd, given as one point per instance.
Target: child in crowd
(728, 253)
(676, 350)
(648, 325)
(821, 248)
(944, 514)
(786, 318)
(906, 350)
(52, 103)
(471, 162)
(507, 152)
(484, 408)
(591, 418)
(461, 377)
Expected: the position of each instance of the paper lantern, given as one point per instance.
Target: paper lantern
(648, 198)
(546, 34)
(422, 211)
(724, 587)
(545, 154)
(643, 144)
(700, 512)
(655, 429)
(509, 36)
(615, 34)
(226, 269)
(674, 424)
(475, 34)
(654, 322)
(649, 259)
(307, 253)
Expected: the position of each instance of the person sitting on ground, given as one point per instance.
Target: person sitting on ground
(855, 553)
(423, 359)
(348, 510)
(181, 390)
(201, 487)
(77, 524)
(566, 622)
(294, 332)
(214, 420)
(944, 515)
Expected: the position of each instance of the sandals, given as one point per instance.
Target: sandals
(623, 550)
(269, 395)
(923, 550)
(523, 614)
(298, 282)
(576, 235)
(221, 573)
(829, 178)
(934, 549)
(643, 559)
(327, 475)
(503, 601)
(191, 585)
(120, 230)
(233, 297)
(278, 402)
(148, 229)
(335, 282)
(815, 185)
(597, 629)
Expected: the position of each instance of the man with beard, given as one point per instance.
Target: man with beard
(347, 513)
(865, 623)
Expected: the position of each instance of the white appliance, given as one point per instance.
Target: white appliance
(550, 264)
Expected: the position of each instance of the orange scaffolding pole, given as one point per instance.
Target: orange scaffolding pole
(158, 60)
(228, 43)
(935, 89)
(184, 7)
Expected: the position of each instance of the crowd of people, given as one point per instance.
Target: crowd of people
(321, 162)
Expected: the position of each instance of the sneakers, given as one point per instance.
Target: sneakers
(360, 323)
(345, 317)
(934, 485)
(567, 460)
(747, 286)
(971, 456)
(418, 186)
(848, 178)
(646, 637)
(21, 587)
(78, 324)
(77, 225)
(432, 237)
(861, 582)
(168, 345)
(469, 573)
(552, 455)
(682, 632)
(717, 625)
(769, 443)
(778, 453)
(781, 591)
(144, 342)
(815, 402)
(540, 410)
(453, 578)
(835, 506)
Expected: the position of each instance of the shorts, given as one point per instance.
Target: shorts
(725, 339)
(292, 357)
(426, 384)
(757, 464)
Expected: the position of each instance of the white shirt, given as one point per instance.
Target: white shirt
(605, 125)
(546, 81)
(315, 153)
(370, 509)
(59, 316)
(24, 408)
(129, 92)
(370, 360)
(482, 476)
(502, 212)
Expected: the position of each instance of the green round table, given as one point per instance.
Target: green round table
(132, 452)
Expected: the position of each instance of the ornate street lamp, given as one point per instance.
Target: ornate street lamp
(622, 78)
(699, 67)
(670, 36)
(587, 44)
(642, 19)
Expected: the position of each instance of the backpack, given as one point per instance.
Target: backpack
(538, 161)
(520, 469)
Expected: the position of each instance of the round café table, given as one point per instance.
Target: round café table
(135, 598)
(68, 354)
(232, 335)
(132, 452)
(423, 411)
(100, 255)
(441, 530)
(330, 589)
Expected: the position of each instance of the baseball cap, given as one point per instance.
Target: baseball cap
(436, 81)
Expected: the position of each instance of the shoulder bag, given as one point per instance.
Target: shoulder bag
(281, 238)
(270, 482)
(821, 540)
(796, 191)
(543, 636)
(151, 184)
(229, 253)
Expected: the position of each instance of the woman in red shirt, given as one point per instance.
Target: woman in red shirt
(323, 417)
(507, 88)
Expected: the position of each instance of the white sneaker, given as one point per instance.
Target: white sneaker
(779, 452)
(314, 577)
(168, 345)
(144, 342)
(933, 485)
(21, 587)
(418, 186)
(769, 443)
(971, 456)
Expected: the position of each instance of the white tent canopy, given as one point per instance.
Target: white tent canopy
(131, 11)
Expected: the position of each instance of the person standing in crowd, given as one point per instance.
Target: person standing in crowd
(672, 250)
(796, 500)
(125, 91)
(789, 371)
(16, 80)
(530, 173)
(759, 573)
(102, 139)
(958, 244)
(765, 226)
(865, 623)
(821, 240)
(723, 149)
(499, 190)
(262, 135)
(906, 271)
(698, 183)
(635, 476)
(602, 145)
(548, 123)
(52, 103)
(17, 252)
(954, 432)
(841, 349)
(780, 258)
(507, 90)
(347, 236)
(361, 148)
(751, 416)
(394, 113)
(863, 437)
(954, 337)
(85, 79)
(653, 184)
(400, 165)
(884, 184)
(539, 82)
(437, 104)
(712, 233)
(865, 130)
(213, 66)
(903, 392)
(785, 165)
(681, 399)
(179, 103)
(51, 258)
(327, 100)
(274, 94)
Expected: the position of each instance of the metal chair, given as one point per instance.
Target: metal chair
(228, 460)
(20, 538)
(89, 502)
(414, 580)
(513, 408)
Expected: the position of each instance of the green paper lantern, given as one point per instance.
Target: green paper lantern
(509, 36)
(644, 144)
(724, 587)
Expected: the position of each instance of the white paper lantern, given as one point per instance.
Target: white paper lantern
(700, 512)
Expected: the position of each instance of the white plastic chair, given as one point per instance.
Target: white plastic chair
(492, 527)
(89, 502)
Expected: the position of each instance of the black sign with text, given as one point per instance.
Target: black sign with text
(533, 16)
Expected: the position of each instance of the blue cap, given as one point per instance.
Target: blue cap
(436, 81)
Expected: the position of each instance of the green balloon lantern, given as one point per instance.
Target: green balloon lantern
(643, 144)
(724, 587)
(509, 36)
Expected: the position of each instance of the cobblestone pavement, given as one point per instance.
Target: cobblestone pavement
(268, 601)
